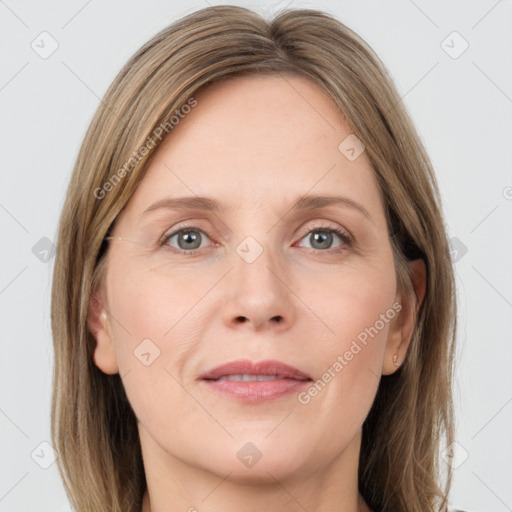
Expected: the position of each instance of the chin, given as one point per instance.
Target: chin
(261, 461)
(261, 473)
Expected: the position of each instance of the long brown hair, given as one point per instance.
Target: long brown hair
(93, 426)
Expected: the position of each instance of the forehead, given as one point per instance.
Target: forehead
(256, 142)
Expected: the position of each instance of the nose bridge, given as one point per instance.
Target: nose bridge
(257, 293)
(256, 264)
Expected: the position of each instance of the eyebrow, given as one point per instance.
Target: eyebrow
(310, 202)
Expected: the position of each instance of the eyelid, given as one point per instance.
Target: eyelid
(328, 225)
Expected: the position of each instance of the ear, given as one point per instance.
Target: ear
(402, 326)
(98, 323)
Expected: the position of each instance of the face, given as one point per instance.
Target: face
(310, 284)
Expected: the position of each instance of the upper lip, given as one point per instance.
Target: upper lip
(247, 367)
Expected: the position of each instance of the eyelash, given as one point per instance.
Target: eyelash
(343, 235)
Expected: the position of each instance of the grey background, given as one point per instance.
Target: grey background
(462, 108)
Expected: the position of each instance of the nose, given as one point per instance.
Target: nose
(258, 296)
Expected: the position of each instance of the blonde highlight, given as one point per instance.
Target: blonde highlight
(93, 426)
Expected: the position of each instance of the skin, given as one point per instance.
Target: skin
(253, 144)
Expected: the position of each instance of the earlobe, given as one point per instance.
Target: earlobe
(402, 327)
(99, 325)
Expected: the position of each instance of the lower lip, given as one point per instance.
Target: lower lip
(257, 391)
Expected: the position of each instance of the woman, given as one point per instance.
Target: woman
(253, 300)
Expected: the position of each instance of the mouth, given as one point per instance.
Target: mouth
(248, 381)
(246, 377)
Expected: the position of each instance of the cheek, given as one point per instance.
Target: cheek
(152, 331)
(154, 303)
(357, 308)
(350, 300)
(157, 324)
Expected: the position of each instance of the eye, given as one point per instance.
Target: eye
(188, 239)
(321, 238)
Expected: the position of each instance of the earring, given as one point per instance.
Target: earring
(395, 359)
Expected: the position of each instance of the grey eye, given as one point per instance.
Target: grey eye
(187, 239)
(322, 238)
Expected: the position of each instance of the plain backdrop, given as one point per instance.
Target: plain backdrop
(451, 62)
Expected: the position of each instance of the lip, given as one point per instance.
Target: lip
(267, 367)
(289, 380)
